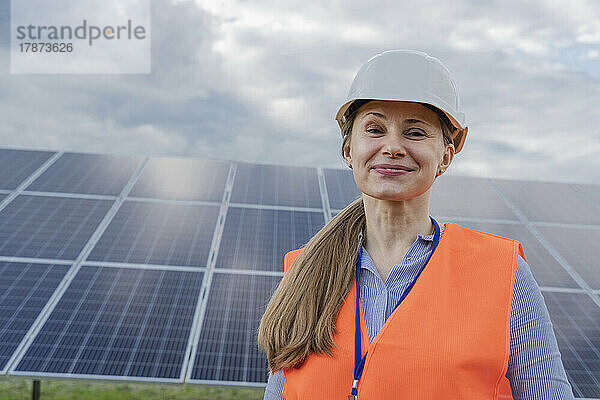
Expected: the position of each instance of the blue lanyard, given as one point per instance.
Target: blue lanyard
(359, 362)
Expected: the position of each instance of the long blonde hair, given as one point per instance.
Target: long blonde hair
(300, 317)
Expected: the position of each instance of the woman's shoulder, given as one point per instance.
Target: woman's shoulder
(473, 237)
(477, 233)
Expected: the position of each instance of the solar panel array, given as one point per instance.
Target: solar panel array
(159, 269)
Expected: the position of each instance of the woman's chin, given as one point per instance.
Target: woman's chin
(393, 194)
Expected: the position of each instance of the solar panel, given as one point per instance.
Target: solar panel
(341, 187)
(137, 308)
(227, 347)
(182, 179)
(459, 196)
(16, 165)
(117, 322)
(549, 202)
(576, 323)
(257, 239)
(579, 247)
(25, 288)
(87, 173)
(49, 227)
(276, 185)
(158, 233)
(589, 192)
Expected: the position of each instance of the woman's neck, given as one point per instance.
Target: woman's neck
(396, 224)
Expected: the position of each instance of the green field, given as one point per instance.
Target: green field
(21, 389)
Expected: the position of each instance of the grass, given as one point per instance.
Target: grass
(21, 389)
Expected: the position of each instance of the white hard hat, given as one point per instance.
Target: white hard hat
(408, 75)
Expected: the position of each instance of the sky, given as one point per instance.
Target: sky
(261, 81)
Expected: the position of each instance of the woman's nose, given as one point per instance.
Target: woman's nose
(394, 144)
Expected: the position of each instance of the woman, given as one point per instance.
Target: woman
(460, 317)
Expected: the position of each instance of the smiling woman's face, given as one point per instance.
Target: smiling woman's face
(387, 132)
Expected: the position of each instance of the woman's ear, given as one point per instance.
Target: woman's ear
(447, 157)
(347, 156)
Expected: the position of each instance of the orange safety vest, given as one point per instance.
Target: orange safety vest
(448, 339)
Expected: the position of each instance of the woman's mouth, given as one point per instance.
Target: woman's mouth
(391, 171)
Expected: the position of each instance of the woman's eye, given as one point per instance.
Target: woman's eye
(377, 131)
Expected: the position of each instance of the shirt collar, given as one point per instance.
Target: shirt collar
(367, 262)
(424, 237)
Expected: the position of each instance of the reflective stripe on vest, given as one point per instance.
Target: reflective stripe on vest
(448, 339)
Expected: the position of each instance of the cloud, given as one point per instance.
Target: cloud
(261, 82)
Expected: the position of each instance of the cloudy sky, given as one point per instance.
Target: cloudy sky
(261, 81)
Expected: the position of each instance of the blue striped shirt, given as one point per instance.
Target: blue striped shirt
(535, 368)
